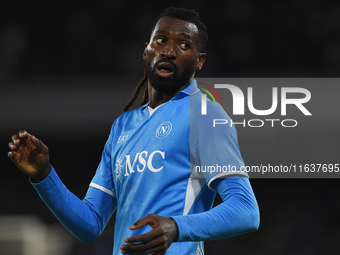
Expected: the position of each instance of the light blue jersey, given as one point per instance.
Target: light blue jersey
(148, 163)
(169, 163)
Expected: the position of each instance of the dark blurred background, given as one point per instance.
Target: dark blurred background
(67, 68)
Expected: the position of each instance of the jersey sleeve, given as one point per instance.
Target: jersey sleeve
(237, 214)
(85, 219)
(214, 146)
(103, 179)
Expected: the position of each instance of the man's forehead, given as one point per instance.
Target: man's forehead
(177, 26)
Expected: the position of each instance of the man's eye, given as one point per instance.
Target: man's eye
(160, 40)
(184, 46)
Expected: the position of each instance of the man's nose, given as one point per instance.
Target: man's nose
(169, 51)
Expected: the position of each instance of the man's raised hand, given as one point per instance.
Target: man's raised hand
(30, 155)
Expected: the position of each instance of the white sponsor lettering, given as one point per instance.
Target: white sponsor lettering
(128, 166)
(122, 138)
(142, 160)
(150, 166)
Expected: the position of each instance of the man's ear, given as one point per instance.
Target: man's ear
(145, 46)
(200, 61)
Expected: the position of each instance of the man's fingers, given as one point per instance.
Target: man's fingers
(155, 245)
(37, 143)
(140, 223)
(15, 137)
(12, 156)
(147, 220)
(10, 145)
(144, 238)
(21, 137)
(136, 251)
(157, 253)
(155, 241)
(23, 134)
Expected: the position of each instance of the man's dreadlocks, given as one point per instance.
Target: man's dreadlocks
(137, 90)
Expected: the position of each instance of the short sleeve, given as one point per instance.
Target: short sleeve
(103, 179)
(214, 147)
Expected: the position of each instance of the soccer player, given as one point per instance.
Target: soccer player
(161, 165)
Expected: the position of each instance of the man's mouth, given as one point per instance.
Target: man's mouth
(165, 69)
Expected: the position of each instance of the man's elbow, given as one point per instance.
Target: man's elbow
(89, 238)
(87, 235)
(253, 222)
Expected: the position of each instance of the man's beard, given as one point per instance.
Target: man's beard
(169, 85)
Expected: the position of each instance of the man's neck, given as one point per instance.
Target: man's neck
(157, 98)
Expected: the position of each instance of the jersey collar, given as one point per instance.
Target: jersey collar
(188, 91)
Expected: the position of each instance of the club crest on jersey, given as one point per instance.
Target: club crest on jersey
(163, 130)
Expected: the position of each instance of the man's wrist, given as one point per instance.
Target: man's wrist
(41, 175)
(177, 232)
